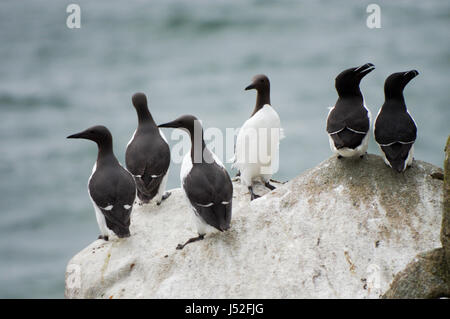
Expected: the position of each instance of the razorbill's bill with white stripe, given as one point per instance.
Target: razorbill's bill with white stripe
(348, 122)
(205, 181)
(148, 155)
(395, 130)
(257, 143)
(110, 187)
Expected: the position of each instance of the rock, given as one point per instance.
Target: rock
(340, 230)
(428, 274)
(445, 231)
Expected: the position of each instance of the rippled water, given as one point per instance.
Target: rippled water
(189, 57)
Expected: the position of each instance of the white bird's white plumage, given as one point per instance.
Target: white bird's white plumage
(257, 146)
(350, 152)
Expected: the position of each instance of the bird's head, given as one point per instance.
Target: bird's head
(396, 82)
(259, 83)
(139, 101)
(99, 134)
(347, 82)
(187, 122)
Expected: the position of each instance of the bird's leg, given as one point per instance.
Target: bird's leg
(269, 186)
(191, 240)
(164, 197)
(252, 195)
(106, 238)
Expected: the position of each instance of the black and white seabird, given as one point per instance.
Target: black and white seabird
(110, 187)
(257, 143)
(394, 129)
(348, 122)
(205, 181)
(148, 155)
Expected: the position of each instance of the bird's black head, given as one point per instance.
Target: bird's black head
(347, 82)
(187, 122)
(99, 134)
(260, 83)
(140, 104)
(396, 82)
(139, 100)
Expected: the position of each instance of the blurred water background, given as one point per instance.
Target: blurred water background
(195, 57)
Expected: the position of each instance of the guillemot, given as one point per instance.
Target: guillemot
(348, 122)
(148, 155)
(257, 143)
(395, 130)
(205, 181)
(110, 187)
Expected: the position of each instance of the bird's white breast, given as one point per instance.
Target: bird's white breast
(186, 167)
(132, 138)
(256, 143)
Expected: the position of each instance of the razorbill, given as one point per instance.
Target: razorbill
(394, 129)
(148, 155)
(348, 122)
(205, 181)
(257, 143)
(110, 187)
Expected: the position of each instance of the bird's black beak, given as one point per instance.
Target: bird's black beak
(365, 69)
(77, 135)
(172, 124)
(250, 87)
(409, 75)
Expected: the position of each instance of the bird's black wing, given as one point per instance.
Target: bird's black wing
(397, 154)
(210, 191)
(148, 161)
(116, 188)
(392, 127)
(349, 114)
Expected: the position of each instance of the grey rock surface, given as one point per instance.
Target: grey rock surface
(343, 229)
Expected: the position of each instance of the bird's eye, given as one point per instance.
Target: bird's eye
(261, 80)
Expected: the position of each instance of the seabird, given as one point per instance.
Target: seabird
(348, 121)
(110, 187)
(205, 181)
(148, 155)
(257, 143)
(395, 130)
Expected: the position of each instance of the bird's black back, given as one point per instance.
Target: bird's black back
(350, 113)
(111, 184)
(394, 125)
(148, 155)
(210, 183)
